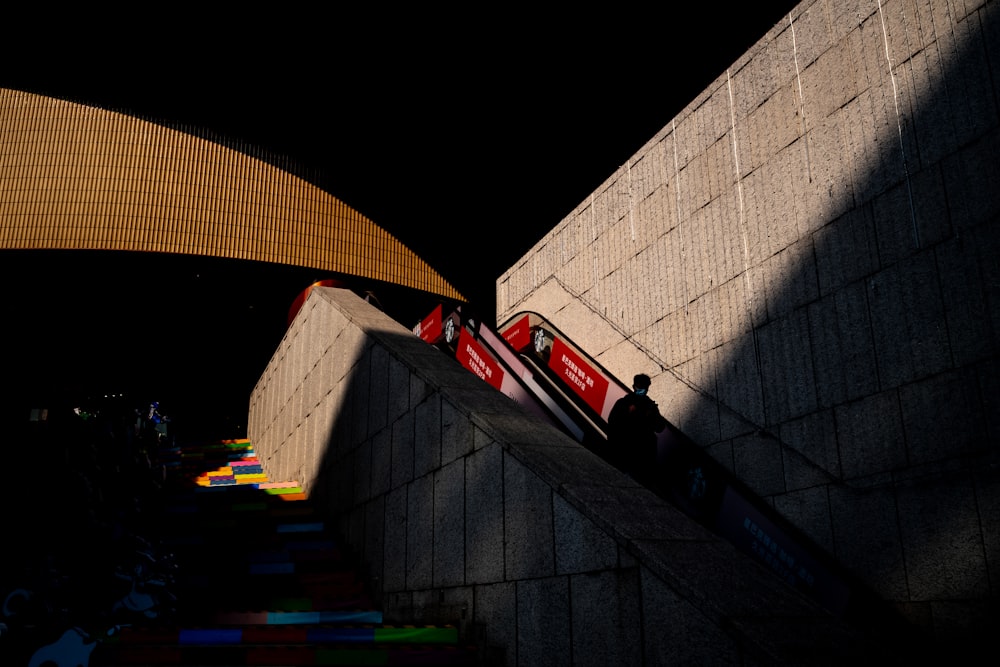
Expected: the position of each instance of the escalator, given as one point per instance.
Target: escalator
(485, 353)
(539, 367)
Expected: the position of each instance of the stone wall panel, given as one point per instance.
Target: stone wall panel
(517, 535)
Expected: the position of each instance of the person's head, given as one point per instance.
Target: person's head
(640, 383)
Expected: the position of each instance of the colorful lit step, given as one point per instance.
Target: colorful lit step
(297, 617)
(289, 634)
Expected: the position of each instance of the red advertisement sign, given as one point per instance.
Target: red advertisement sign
(473, 356)
(429, 329)
(590, 385)
(518, 335)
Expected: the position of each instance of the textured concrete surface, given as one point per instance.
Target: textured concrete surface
(463, 507)
(805, 260)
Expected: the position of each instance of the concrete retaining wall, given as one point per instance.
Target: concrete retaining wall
(462, 508)
(805, 260)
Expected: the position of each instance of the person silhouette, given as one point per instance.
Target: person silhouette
(633, 423)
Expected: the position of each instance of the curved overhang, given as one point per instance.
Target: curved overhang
(76, 177)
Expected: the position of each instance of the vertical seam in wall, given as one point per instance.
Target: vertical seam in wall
(593, 220)
(465, 513)
(555, 573)
(433, 582)
(677, 200)
(593, 239)
(534, 267)
(406, 536)
(739, 192)
(747, 285)
(503, 517)
(802, 106)
(872, 284)
(503, 546)
(940, 270)
(906, 440)
(983, 529)
(987, 44)
(899, 125)
(631, 220)
(900, 538)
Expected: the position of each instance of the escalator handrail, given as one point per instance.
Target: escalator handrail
(679, 443)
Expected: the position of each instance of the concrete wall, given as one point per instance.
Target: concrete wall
(463, 508)
(806, 261)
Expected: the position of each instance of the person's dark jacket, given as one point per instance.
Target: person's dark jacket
(633, 424)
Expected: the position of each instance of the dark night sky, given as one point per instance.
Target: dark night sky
(467, 137)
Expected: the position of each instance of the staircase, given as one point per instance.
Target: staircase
(261, 580)
(247, 573)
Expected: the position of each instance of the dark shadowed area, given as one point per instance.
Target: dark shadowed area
(468, 138)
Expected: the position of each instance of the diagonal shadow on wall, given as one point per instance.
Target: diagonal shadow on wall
(851, 270)
(866, 377)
